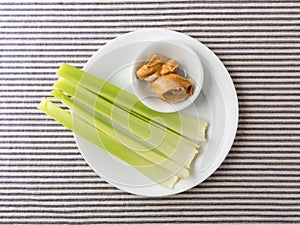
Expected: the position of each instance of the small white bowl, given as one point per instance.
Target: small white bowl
(188, 61)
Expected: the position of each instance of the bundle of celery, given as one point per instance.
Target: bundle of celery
(161, 146)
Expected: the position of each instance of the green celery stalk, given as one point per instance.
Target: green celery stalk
(159, 145)
(84, 129)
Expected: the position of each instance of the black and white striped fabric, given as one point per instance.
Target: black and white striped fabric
(45, 180)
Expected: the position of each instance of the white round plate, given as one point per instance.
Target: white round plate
(217, 103)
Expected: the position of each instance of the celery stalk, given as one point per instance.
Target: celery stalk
(153, 171)
(161, 146)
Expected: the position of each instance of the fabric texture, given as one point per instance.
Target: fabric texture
(45, 180)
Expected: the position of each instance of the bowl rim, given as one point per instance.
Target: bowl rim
(164, 106)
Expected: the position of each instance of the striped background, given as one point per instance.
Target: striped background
(44, 179)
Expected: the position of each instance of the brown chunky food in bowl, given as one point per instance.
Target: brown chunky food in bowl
(164, 80)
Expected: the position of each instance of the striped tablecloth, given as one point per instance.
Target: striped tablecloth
(45, 180)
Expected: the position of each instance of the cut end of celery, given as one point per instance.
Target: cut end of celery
(184, 173)
(43, 104)
(203, 131)
(170, 183)
(189, 163)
